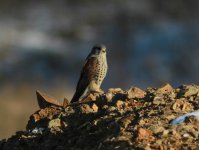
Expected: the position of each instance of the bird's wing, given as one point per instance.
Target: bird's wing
(85, 78)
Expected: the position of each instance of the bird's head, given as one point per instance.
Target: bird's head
(98, 50)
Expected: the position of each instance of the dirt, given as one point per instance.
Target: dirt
(117, 119)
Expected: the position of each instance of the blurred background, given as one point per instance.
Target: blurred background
(43, 45)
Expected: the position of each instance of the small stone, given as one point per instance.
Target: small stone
(170, 117)
(54, 123)
(191, 90)
(142, 122)
(24, 137)
(109, 96)
(95, 108)
(182, 105)
(111, 108)
(85, 108)
(167, 88)
(159, 142)
(69, 110)
(38, 130)
(158, 129)
(165, 132)
(158, 100)
(144, 134)
(147, 148)
(90, 97)
(119, 104)
(186, 135)
(124, 122)
(64, 124)
(115, 90)
(105, 107)
(36, 117)
(93, 97)
(196, 124)
(135, 92)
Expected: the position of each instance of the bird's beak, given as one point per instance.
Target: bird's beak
(104, 50)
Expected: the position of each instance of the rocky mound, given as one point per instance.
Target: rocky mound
(118, 119)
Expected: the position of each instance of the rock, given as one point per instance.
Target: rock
(158, 129)
(191, 90)
(115, 90)
(95, 108)
(142, 122)
(109, 96)
(111, 108)
(147, 148)
(158, 119)
(38, 130)
(165, 133)
(144, 134)
(157, 100)
(186, 135)
(133, 103)
(135, 92)
(125, 121)
(120, 104)
(182, 105)
(40, 118)
(167, 88)
(170, 117)
(65, 102)
(188, 90)
(105, 107)
(54, 123)
(36, 117)
(90, 97)
(85, 108)
(45, 100)
(69, 110)
(196, 124)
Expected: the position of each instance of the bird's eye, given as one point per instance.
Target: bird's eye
(104, 51)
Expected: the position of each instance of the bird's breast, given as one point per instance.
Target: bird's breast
(101, 70)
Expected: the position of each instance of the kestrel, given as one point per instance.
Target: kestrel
(93, 73)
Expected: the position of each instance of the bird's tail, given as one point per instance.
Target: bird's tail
(78, 94)
(75, 98)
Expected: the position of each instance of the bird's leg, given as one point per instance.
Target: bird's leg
(99, 91)
(95, 88)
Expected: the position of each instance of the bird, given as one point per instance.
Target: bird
(92, 74)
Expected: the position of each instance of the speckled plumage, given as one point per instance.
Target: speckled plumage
(93, 73)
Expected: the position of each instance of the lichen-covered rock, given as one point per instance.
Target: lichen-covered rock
(165, 89)
(188, 90)
(181, 105)
(118, 119)
(135, 92)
